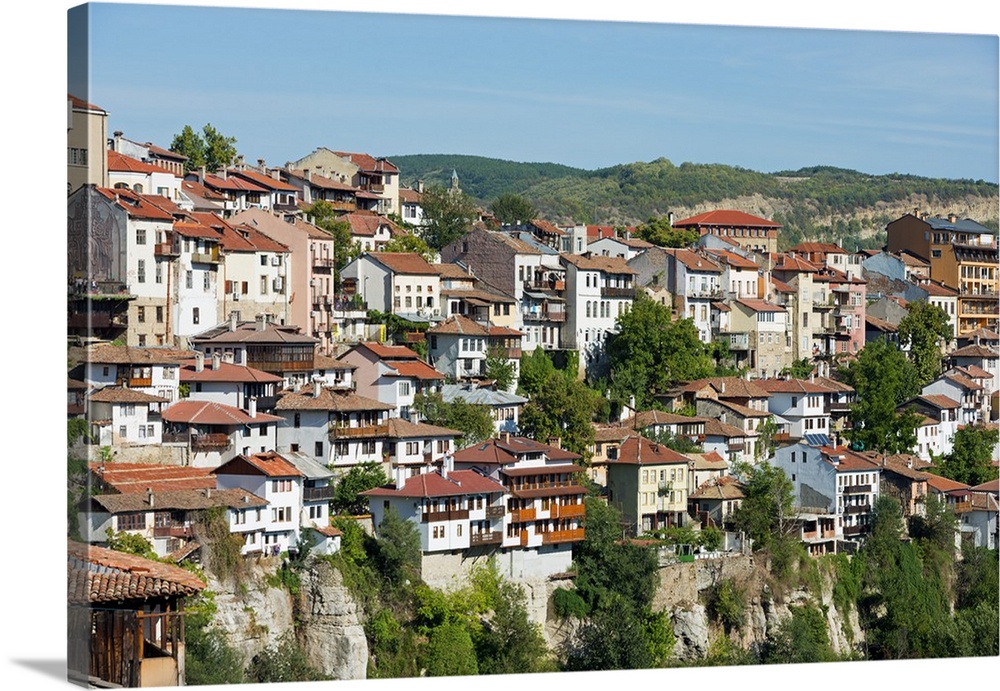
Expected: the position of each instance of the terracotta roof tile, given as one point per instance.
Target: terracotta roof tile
(265, 181)
(211, 413)
(139, 477)
(369, 164)
(457, 324)
(97, 575)
(123, 394)
(426, 485)
(505, 451)
(135, 205)
(108, 354)
(726, 218)
(760, 305)
(404, 263)
(227, 372)
(416, 369)
(693, 261)
(178, 500)
(269, 464)
(608, 265)
(639, 450)
(328, 399)
(120, 163)
(404, 429)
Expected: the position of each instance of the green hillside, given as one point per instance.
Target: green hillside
(819, 202)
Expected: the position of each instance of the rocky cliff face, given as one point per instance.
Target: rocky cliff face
(323, 618)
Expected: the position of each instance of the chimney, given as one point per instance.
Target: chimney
(555, 442)
(232, 321)
(400, 476)
(252, 406)
(149, 496)
(216, 361)
(208, 492)
(308, 174)
(446, 466)
(505, 437)
(670, 217)
(952, 218)
(420, 186)
(317, 387)
(199, 361)
(261, 322)
(201, 178)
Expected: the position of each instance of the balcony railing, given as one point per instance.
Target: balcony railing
(495, 511)
(448, 515)
(165, 249)
(739, 341)
(205, 257)
(857, 489)
(365, 431)
(703, 293)
(863, 508)
(962, 506)
(175, 530)
(853, 530)
(323, 261)
(613, 292)
(210, 442)
(558, 536)
(552, 285)
(317, 493)
(486, 538)
(567, 510)
(543, 314)
(523, 515)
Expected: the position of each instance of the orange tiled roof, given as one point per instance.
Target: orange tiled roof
(97, 575)
(404, 263)
(726, 218)
(120, 163)
(426, 485)
(211, 413)
(139, 477)
(268, 463)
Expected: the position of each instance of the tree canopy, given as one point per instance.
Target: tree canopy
(410, 243)
(765, 514)
(563, 407)
(347, 496)
(650, 353)
(211, 148)
(511, 208)
(971, 456)
(448, 214)
(658, 231)
(475, 422)
(884, 379)
(925, 329)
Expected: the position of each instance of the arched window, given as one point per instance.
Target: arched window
(588, 308)
(137, 188)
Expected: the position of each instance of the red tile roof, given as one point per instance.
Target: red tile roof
(992, 486)
(232, 183)
(798, 386)
(940, 401)
(546, 227)
(788, 263)
(328, 399)
(427, 485)
(726, 218)
(504, 451)
(139, 477)
(369, 164)
(102, 576)
(404, 429)
(190, 229)
(109, 354)
(178, 500)
(943, 484)
(367, 224)
(120, 163)
(642, 451)
(760, 305)
(693, 261)
(718, 428)
(404, 263)
(457, 324)
(210, 413)
(648, 418)
(263, 180)
(269, 464)
(123, 394)
(135, 205)
(83, 105)
(227, 372)
(974, 351)
(817, 247)
(415, 369)
(733, 259)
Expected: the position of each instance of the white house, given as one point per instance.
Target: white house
(695, 282)
(800, 404)
(227, 383)
(391, 374)
(212, 432)
(278, 482)
(153, 371)
(402, 283)
(194, 282)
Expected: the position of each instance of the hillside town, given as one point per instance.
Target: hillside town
(231, 354)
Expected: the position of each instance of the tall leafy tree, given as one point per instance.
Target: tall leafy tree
(510, 208)
(475, 422)
(658, 231)
(347, 498)
(926, 330)
(765, 514)
(971, 457)
(536, 367)
(562, 408)
(500, 368)
(650, 352)
(211, 148)
(410, 243)
(449, 215)
(883, 378)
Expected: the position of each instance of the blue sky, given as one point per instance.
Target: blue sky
(582, 93)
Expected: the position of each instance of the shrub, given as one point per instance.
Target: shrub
(727, 604)
(568, 603)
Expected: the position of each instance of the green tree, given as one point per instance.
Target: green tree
(130, 543)
(926, 330)
(510, 209)
(800, 638)
(500, 368)
(283, 662)
(220, 150)
(650, 353)
(562, 408)
(799, 369)
(535, 370)
(658, 231)
(450, 652)
(766, 431)
(970, 460)
(508, 641)
(209, 658)
(397, 554)
(884, 379)
(765, 514)
(475, 422)
(189, 143)
(448, 214)
(211, 148)
(347, 497)
(409, 243)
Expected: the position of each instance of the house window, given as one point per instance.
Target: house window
(140, 236)
(206, 283)
(132, 521)
(368, 446)
(123, 432)
(297, 420)
(404, 388)
(159, 314)
(195, 315)
(140, 314)
(318, 451)
(263, 260)
(263, 285)
(189, 279)
(141, 271)
(159, 272)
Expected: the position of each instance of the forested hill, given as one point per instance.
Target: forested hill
(814, 203)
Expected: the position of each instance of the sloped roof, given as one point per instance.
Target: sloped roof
(787, 262)
(108, 354)
(139, 477)
(718, 428)
(427, 485)
(227, 372)
(799, 386)
(639, 450)
(722, 489)
(269, 464)
(818, 247)
(369, 164)
(609, 265)
(505, 451)
(648, 418)
(693, 261)
(179, 500)
(120, 163)
(135, 205)
(733, 259)
(328, 399)
(414, 369)
(760, 305)
(457, 324)
(211, 413)
(123, 394)
(102, 576)
(404, 263)
(477, 395)
(404, 429)
(248, 332)
(728, 387)
(939, 401)
(943, 484)
(974, 351)
(263, 180)
(726, 218)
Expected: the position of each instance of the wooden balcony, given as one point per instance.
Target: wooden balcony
(962, 506)
(612, 292)
(139, 382)
(165, 249)
(857, 489)
(210, 442)
(365, 432)
(559, 536)
(205, 257)
(317, 493)
(853, 530)
(863, 508)
(523, 515)
(567, 511)
(449, 515)
(176, 530)
(486, 538)
(495, 512)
